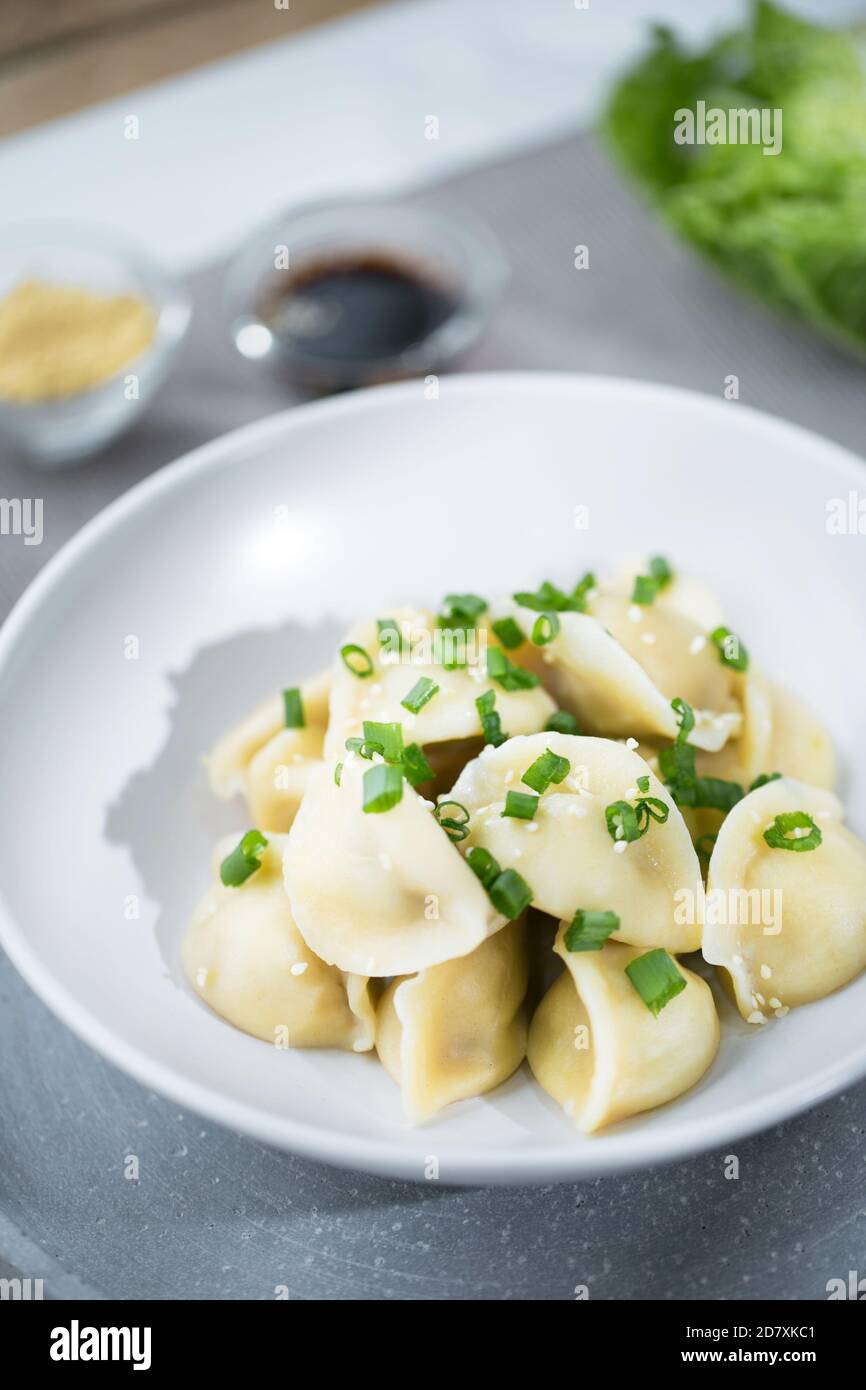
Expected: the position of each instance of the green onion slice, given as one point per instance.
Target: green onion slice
(338, 773)
(463, 609)
(589, 930)
(510, 633)
(782, 834)
(731, 650)
(416, 768)
(643, 784)
(386, 739)
(550, 767)
(244, 860)
(390, 635)
(491, 724)
(561, 722)
(656, 979)
(520, 805)
(510, 894)
(382, 787)
(293, 709)
(421, 693)
(510, 677)
(660, 570)
(622, 821)
(764, 778)
(357, 660)
(456, 825)
(545, 628)
(483, 865)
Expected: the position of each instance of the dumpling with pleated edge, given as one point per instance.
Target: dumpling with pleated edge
(268, 763)
(246, 959)
(598, 1049)
(382, 892)
(786, 899)
(618, 665)
(566, 852)
(384, 669)
(458, 1029)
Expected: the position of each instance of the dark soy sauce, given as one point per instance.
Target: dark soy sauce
(356, 310)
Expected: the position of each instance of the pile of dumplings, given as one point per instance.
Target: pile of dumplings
(493, 832)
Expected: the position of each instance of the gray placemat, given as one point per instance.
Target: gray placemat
(215, 1215)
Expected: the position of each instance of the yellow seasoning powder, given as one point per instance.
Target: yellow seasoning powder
(59, 340)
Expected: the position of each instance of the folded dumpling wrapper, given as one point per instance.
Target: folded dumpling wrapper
(451, 714)
(618, 667)
(789, 926)
(246, 959)
(566, 853)
(266, 762)
(458, 1029)
(382, 893)
(599, 1051)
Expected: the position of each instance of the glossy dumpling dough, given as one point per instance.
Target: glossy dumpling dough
(458, 1029)
(811, 938)
(598, 1050)
(566, 853)
(380, 894)
(779, 734)
(269, 764)
(246, 959)
(450, 715)
(600, 667)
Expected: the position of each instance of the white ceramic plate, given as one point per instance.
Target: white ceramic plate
(237, 568)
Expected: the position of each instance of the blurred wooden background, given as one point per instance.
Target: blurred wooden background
(57, 56)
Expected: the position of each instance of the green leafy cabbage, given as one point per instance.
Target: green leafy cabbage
(791, 226)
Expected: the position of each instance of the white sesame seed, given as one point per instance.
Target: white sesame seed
(631, 792)
(635, 613)
(780, 1013)
(631, 743)
(579, 811)
(737, 960)
(697, 644)
(201, 976)
(766, 972)
(649, 638)
(299, 967)
(620, 847)
(756, 1017)
(509, 776)
(532, 826)
(775, 1003)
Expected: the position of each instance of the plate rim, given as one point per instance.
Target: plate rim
(616, 1153)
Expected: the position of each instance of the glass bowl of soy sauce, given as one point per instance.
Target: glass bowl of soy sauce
(351, 293)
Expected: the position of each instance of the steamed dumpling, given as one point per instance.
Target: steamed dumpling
(246, 959)
(458, 1029)
(382, 893)
(618, 668)
(566, 853)
(450, 715)
(788, 926)
(269, 764)
(599, 1051)
(800, 746)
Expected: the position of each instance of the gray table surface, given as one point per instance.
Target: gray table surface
(215, 1215)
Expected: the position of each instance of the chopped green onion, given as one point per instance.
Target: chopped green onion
(386, 739)
(338, 773)
(782, 834)
(589, 930)
(643, 784)
(660, 570)
(561, 722)
(510, 894)
(510, 633)
(244, 860)
(461, 609)
(491, 724)
(652, 808)
(416, 768)
(677, 767)
(764, 778)
(520, 805)
(545, 628)
(549, 599)
(293, 709)
(390, 635)
(452, 646)
(714, 793)
(731, 650)
(422, 691)
(456, 827)
(483, 865)
(582, 590)
(382, 787)
(357, 660)
(550, 767)
(510, 677)
(685, 718)
(656, 979)
(363, 747)
(622, 821)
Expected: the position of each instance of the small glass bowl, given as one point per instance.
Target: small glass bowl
(52, 433)
(437, 241)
